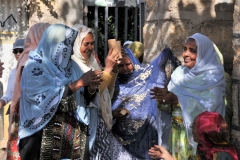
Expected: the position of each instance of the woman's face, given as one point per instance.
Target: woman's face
(190, 53)
(87, 46)
(125, 66)
(195, 132)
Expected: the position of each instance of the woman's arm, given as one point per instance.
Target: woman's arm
(10, 87)
(108, 81)
(110, 71)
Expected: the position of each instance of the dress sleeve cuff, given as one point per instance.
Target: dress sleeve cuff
(67, 92)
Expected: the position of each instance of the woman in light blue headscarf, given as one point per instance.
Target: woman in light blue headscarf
(196, 87)
(54, 113)
(143, 125)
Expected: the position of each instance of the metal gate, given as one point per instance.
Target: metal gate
(137, 8)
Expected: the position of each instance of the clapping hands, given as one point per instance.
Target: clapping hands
(162, 95)
(92, 79)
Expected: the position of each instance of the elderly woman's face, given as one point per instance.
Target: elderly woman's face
(190, 53)
(87, 46)
(125, 66)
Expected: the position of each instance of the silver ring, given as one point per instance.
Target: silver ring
(163, 100)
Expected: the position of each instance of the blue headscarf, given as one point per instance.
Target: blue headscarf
(44, 77)
(145, 125)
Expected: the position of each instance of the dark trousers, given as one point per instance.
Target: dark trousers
(30, 147)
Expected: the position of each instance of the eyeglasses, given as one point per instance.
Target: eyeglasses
(16, 51)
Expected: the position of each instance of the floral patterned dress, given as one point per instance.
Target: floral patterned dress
(179, 146)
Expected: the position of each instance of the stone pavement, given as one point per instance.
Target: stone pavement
(3, 154)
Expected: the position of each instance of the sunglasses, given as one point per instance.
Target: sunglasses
(15, 51)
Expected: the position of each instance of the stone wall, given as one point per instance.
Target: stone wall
(55, 11)
(236, 75)
(170, 22)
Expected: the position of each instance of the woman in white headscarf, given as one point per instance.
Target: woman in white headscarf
(101, 122)
(196, 87)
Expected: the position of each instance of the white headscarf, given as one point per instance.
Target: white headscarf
(86, 65)
(202, 87)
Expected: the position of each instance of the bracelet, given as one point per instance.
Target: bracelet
(91, 92)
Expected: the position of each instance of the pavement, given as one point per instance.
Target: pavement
(3, 154)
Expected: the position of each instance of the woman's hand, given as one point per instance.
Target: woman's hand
(157, 152)
(157, 92)
(162, 95)
(117, 114)
(111, 61)
(92, 78)
(115, 68)
(2, 103)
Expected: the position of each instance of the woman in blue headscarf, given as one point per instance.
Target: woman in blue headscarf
(139, 124)
(54, 113)
(196, 87)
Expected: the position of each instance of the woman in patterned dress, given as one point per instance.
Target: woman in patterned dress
(143, 125)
